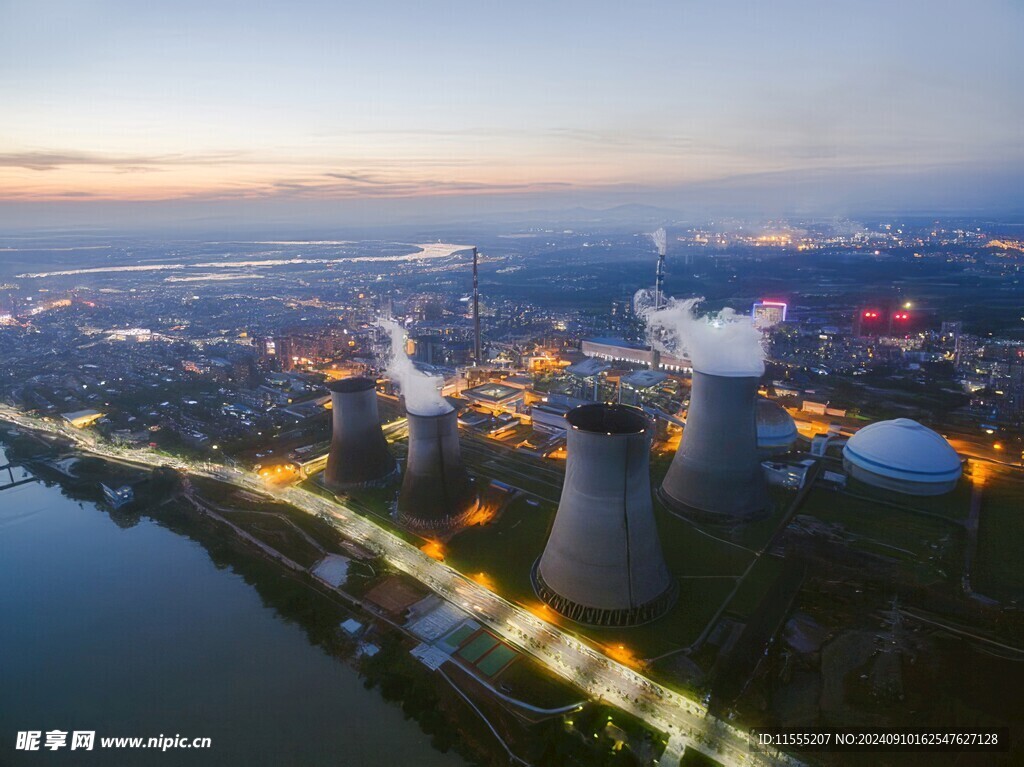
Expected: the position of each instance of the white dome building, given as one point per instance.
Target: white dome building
(776, 429)
(904, 456)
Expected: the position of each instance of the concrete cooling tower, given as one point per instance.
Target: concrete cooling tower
(602, 564)
(716, 472)
(437, 494)
(359, 454)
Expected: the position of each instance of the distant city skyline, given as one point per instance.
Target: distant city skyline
(388, 112)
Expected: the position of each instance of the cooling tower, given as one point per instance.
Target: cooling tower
(717, 469)
(359, 453)
(602, 564)
(437, 494)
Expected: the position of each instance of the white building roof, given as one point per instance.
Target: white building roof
(591, 366)
(644, 379)
(905, 450)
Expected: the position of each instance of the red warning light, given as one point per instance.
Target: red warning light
(870, 314)
(903, 316)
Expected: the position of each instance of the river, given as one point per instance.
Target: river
(134, 631)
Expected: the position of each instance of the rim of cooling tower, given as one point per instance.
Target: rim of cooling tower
(603, 617)
(608, 419)
(409, 412)
(351, 385)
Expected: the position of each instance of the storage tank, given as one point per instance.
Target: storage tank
(437, 493)
(904, 456)
(603, 564)
(716, 472)
(359, 454)
(776, 429)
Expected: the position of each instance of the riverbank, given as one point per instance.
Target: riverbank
(121, 623)
(454, 708)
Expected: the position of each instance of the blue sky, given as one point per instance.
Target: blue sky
(562, 102)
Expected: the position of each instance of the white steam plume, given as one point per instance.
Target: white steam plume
(660, 240)
(643, 302)
(723, 344)
(422, 392)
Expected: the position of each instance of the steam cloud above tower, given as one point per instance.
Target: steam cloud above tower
(660, 239)
(722, 344)
(422, 392)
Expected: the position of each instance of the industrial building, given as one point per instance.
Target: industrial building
(603, 564)
(653, 388)
(549, 417)
(586, 378)
(496, 397)
(82, 418)
(716, 472)
(902, 456)
(437, 494)
(359, 455)
(619, 350)
(768, 314)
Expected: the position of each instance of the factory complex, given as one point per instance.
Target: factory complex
(602, 493)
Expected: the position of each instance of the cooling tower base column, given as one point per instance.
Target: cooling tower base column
(441, 524)
(387, 480)
(597, 616)
(703, 516)
(437, 493)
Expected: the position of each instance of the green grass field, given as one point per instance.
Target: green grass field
(505, 551)
(997, 569)
(278, 534)
(931, 548)
(531, 682)
(755, 586)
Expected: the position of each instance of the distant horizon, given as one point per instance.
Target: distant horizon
(129, 115)
(806, 197)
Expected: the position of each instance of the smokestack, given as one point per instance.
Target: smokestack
(717, 469)
(602, 564)
(437, 494)
(660, 239)
(476, 314)
(659, 283)
(359, 453)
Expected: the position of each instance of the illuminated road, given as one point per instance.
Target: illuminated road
(993, 449)
(685, 720)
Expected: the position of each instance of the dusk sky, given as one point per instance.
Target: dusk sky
(811, 104)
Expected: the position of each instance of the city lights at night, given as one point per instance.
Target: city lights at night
(546, 385)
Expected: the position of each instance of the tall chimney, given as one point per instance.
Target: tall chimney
(716, 472)
(477, 356)
(603, 564)
(659, 283)
(359, 454)
(437, 494)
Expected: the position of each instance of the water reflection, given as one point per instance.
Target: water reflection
(136, 631)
